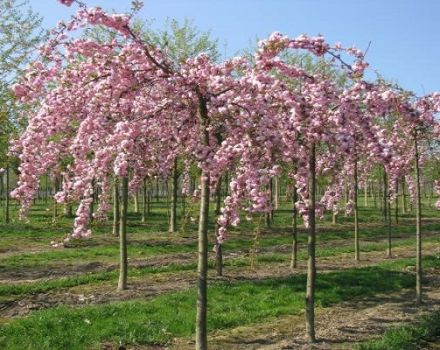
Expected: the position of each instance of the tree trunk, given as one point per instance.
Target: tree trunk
(355, 208)
(46, 188)
(387, 211)
(218, 246)
(174, 185)
(311, 264)
(7, 196)
(116, 208)
(396, 204)
(366, 194)
(55, 204)
(144, 201)
(136, 202)
(68, 213)
(202, 264)
(294, 259)
(123, 264)
(404, 208)
(418, 225)
(277, 192)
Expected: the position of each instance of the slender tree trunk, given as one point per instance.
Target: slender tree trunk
(269, 214)
(334, 218)
(396, 204)
(404, 207)
(46, 188)
(277, 192)
(157, 190)
(311, 264)
(116, 208)
(419, 271)
(123, 263)
(218, 246)
(202, 264)
(7, 195)
(1, 195)
(356, 214)
(174, 185)
(55, 204)
(366, 194)
(68, 210)
(144, 200)
(387, 211)
(294, 259)
(136, 202)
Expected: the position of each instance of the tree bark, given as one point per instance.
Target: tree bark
(123, 264)
(202, 264)
(311, 264)
(419, 271)
(366, 194)
(136, 202)
(294, 258)
(355, 208)
(396, 204)
(218, 246)
(404, 208)
(7, 195)
(387, 211)
(144, 201)
(116, 208)
(277, 192)
(173, 211)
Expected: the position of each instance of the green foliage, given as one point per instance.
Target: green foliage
(20, 34)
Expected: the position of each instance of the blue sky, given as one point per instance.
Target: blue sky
(404, 34)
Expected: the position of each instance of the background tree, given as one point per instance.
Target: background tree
(20, 33)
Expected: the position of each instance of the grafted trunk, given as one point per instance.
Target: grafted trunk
(116, 208)
(202, 263)
(123, 264)
(173, 211)
(355, 209)
(419, 271)
(311, 263)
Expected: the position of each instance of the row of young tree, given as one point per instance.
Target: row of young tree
(109, 113)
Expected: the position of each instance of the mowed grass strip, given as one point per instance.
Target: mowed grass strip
(57, 258)
(159, 320)
(43, 286)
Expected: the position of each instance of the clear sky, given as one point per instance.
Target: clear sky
(404, 34)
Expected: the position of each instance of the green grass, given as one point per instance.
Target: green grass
(159, 320)
(412, 336)
(98, 277)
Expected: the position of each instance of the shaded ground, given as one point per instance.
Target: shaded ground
(338, 327)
